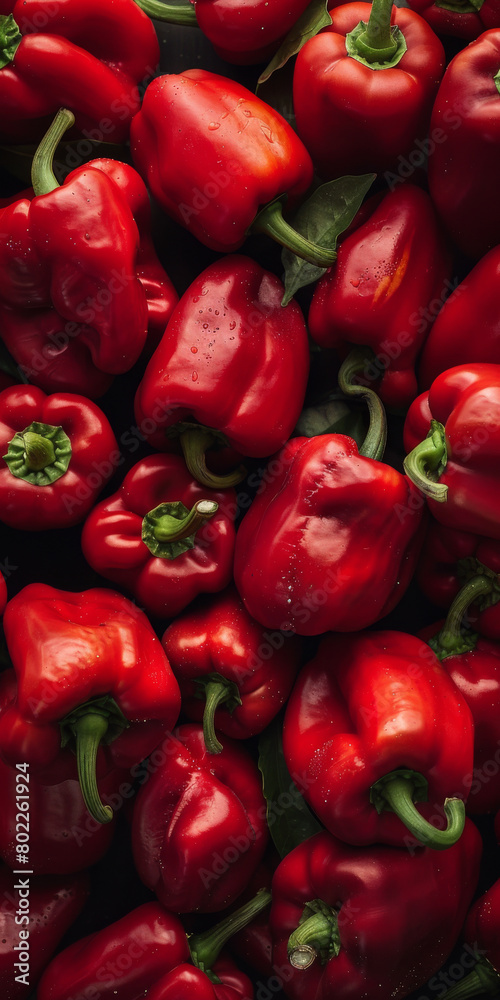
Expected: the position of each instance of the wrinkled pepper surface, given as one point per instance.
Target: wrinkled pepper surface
(199, 823)
(385, 739)
(337, 917)
(162, 536)
(92, 680)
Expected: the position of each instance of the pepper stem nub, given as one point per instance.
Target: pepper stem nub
(451, 640)
(399, 790)
(43, 178)
(317, 936)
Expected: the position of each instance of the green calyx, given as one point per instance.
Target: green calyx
(270, 220)
(40, 454)
(483, 980)
(426, 463)
(171, 13)
(399, 790)
(205, 947)
(317, 936)
(96, 722)
(216, 690)
(460, 6)
(356, 363)
(452, 639)
(43, 179)
(10, 38)
(377, 44)
(169, 530)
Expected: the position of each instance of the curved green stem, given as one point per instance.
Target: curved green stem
(398, 792)
(427, 461)
(205, 947)
(451, 640)
(169, 529)
(317, 936)
(195, 442)
(270, 221)
(376, 437)
(483, 980)
(85, 729)
(170, 12)
(43, 178)
(216, 690)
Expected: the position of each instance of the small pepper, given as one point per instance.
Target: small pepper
(384, 738)
(456, 19)
(338, 918)
(162, 536)
(199, 823)
(58, 452)
(91, 675)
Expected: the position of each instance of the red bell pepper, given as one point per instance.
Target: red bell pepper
(452, 440)
(58, 453)
(332, 537)
(481, 934)
(233, 676)
(91, 675)
(214, 155)
(382, 737)
(337, 915)
(162, 536)
(148, 952)
(363, 88)
(465, 122)
(459, 20)
(389, 274)
(71, 261)
(82, 54)
(29, 935)
(448, 559)
(473, 663)
(229, 344)
(474, 305)
(199, 823)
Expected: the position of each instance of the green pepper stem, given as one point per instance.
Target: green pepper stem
(377, 41)
(38, 450)
(425, 463)
(89, 730)
(169, 12)
(376, 437)
(43, 179)
(205, 947)
(195, 442)
(171, 529)
(451, 640)
(396, 792)
(312, 938)
(217, 691)
(270, 221)
(483, 979)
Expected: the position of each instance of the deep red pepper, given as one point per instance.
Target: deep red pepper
(481, 934)
(82, 54)
(214, 155)
(229, 346)
(148, 951)
(382, 737)
(199, 823)
(58, 453)
(55, 902)
(467, 328)
(233, 675)
(162, 536)
(452, 440)
(337, 912)
(387, 274)
(361, 98)
(91, 673)
(465, 123)
(459, 20)
(473, 663)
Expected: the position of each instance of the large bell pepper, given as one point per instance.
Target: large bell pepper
(481, 934)
(363, 88)
(370, 922)
(199, 823)
(58, 453)
(229, 345)
(147, 951)
(474, 305)
(219, 160)
(389, 275)
(462, 171)
(383, 740)
(83, 54)
(91, 675)
(162, 536)
(452, 439)
(457, 19)
(233, 675)
(30, 934)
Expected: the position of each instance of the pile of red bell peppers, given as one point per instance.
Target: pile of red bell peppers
(249, 500)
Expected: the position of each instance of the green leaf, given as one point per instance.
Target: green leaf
(289, 819)
(10, 39)
(322, 218)
(314, 18)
